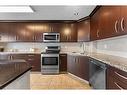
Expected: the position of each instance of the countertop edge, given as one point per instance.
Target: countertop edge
(8, 82)
(104, 61)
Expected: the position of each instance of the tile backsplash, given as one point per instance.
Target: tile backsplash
(26, 47)
(113, 46)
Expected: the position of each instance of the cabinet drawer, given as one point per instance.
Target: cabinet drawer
(118, 74)
(120, 84)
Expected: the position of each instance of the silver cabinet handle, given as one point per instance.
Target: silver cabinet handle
(118, 86)
(78, 60)
(121, 24)
(97, 32)
(121, 75)
(116, 22)
(75, 60)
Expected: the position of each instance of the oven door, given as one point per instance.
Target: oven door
(50, 59)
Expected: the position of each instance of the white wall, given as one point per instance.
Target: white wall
(113, 46)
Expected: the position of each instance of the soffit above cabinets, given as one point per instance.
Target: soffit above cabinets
(51, 13)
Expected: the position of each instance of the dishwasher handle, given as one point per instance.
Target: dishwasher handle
(103, 66)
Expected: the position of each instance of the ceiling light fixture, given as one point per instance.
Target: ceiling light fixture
(16, 9)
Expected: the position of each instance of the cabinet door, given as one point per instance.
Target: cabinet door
(41, 28)
(109, 20)
(83, 30)
(35, 61)
(55, 27)
(94, 26)
(69, 64)
(20, 31)
(105, 16)
(68, 32)
(29, 32)
(63, 63)
(73, 34)
(12, 32)
(123, 20)
(83, 65)
(4, 30)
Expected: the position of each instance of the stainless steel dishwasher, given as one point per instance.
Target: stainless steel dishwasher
(97, 74)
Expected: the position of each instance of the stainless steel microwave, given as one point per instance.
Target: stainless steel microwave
(51, 37)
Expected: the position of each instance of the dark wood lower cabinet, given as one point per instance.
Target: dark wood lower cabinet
(33, 59)
(83, 67)
(116, 79)
(79, 66)
(63, 63)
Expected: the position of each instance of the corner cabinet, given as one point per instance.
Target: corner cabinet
(94, 27)
(68, 32)
(83, 30)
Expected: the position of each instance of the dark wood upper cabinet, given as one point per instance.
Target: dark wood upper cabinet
(12, 32)
(94, 26)
(55, 27)
(109, 21)
(39, 29)
(83, 30)
(112, 21)
(68, 32)
(4, 30)
(123, 22)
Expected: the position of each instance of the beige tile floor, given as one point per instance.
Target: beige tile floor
(61, 81)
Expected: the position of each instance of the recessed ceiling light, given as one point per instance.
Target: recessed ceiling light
(16, 9)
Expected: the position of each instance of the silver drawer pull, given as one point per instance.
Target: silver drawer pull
(118, 86)
(121, 75)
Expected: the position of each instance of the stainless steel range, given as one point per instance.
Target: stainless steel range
(50, 60)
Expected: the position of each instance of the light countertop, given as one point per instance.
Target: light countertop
(115, 61)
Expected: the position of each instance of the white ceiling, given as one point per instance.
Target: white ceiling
(51, 13)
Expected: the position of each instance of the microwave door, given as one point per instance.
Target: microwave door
(50, 37)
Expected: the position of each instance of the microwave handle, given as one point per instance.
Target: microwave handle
(57, 37)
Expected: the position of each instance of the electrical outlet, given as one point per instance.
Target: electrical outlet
(105, 46)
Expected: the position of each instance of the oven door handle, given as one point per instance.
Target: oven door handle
(48, 55)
